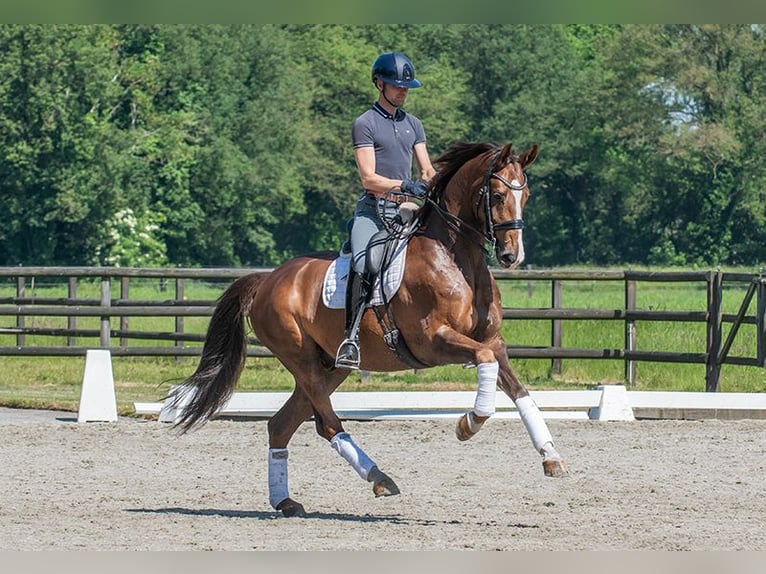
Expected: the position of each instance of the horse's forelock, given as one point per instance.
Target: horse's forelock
(506, 156)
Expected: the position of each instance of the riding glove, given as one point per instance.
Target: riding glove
(417, 188)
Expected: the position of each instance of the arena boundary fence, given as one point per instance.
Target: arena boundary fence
(114, 308)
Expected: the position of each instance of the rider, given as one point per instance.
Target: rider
(385, 137)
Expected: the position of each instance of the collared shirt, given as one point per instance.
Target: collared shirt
(393, 138)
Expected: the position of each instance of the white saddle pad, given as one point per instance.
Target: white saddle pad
(336, 279)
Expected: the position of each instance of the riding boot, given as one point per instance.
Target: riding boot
(348, 355)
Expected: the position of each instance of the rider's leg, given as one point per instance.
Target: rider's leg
(365, 225)
(356, 296)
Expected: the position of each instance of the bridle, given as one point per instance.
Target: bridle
(485, 201)
(484, 193)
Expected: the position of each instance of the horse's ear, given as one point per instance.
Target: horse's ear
(506, 155)
(529, 156)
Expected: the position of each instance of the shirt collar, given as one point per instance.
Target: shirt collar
(382, 111)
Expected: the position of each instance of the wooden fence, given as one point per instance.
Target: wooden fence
(110, 308)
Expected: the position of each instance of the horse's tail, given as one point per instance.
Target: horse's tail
(223, 356)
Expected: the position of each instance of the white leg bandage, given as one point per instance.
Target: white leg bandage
(534, 423)
(485, 395)
(352, 454)
(277, 476)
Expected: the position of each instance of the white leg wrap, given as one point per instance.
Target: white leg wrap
(534, 423)
(487, 391)
(352, 454)
(277, 476)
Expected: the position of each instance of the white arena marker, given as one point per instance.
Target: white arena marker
(613, 405)
(97, 399)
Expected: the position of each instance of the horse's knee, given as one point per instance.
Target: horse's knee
(485, 355)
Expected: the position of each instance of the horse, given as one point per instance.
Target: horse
(447, 311)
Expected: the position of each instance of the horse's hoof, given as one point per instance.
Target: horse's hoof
(382, 485)
(289, 508)
(467, 427)
(555, 468)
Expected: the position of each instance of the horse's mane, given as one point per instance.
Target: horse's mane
(448, 163)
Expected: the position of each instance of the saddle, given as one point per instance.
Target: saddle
(384, 268)
(385, 260)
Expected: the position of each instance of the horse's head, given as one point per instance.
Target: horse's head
(481, 189)
(502, 198)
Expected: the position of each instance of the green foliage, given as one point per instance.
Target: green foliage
(234, 141)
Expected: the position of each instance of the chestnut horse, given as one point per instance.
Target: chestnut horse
(447, 311)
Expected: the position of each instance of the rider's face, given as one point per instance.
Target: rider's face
(394, 94)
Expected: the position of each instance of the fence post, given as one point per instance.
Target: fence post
(21, 291)
(124, 321)
(557, 296)
(71, 321)
(106, 301)
(760, 319)
(714, 330)
(630, 332)
(179, 319)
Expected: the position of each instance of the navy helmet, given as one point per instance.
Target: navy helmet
(396, 69)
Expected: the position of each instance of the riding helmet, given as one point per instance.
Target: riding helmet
(396, 69)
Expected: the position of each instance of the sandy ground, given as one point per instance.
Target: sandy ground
(137, 485)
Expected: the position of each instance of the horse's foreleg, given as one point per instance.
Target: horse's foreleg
(542, 440)
(553, 463)
(484, 404)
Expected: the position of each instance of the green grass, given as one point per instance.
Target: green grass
(55, 382)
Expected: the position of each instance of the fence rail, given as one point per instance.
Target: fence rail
(21, 280)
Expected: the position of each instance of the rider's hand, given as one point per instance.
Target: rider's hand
(417, 188)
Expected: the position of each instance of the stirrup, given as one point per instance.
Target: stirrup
(348, 355)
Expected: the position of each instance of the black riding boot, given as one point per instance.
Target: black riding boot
(348, 356)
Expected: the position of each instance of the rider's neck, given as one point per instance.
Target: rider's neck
(388, 106)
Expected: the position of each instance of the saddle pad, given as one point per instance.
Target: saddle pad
(335, 280)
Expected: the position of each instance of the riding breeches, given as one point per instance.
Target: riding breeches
(367, 222)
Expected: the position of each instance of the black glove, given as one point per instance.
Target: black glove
(417, 188)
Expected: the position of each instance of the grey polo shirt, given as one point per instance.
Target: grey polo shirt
(393, 138)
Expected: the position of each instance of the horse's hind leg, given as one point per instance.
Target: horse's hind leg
(305, 400)
(281, 427)
(318, 383)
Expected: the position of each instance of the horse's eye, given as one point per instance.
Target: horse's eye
(498, 197)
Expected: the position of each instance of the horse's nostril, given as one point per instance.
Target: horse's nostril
(508, 258)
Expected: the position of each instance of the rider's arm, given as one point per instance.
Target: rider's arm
(425, 167)
(371, 181)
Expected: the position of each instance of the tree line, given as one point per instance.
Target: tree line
(203, 145)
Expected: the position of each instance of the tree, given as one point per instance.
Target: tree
(56, 167)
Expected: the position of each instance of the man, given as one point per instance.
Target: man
(385, 138)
